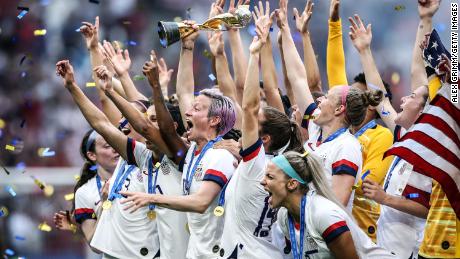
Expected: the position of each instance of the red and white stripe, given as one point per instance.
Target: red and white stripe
(432, 145)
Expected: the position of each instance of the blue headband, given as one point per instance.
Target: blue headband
(282, 162)
(91, 139)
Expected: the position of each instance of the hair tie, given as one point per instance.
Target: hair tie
(345, 90)
(305, 154)
(91, 139)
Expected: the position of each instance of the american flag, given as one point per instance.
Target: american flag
(434, 50)
(432, 145)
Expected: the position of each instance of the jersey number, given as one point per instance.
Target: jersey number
(268, 213)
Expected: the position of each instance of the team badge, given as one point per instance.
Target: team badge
(199, 172)
(139, 176)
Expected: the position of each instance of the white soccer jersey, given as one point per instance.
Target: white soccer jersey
(122, 234)
(325, 221)
(87, 201)
(206, 229)
(171, 224)
(341, 155)
(398, 231)
(248, 216)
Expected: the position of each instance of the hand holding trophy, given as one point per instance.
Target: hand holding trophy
(171, 32)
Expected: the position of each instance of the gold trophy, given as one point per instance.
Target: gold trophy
(171, 32)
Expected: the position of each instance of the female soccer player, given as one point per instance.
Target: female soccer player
(326, 230)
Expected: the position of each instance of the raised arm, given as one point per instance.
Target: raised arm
(137, 120)
(251, 96)
(98, 121)
(294, 67)
(309, 57)
(224, 79)
(91, 34)
(185, 81)
(164, 76)
(426, 11)
(336, 72)
(361, 38)
(269, 78)
(287, 85)
(121, 63)
(239, 57)
(175, 143)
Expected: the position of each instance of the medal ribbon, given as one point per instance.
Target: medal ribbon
(368, 125)
(335, 135)
(118, 183)
(297, 253)
(390, 172)
(151, 188)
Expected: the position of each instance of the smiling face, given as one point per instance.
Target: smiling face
(411, 107)
(198, 123)
(275, 183)
(105, 155)
(329, 106)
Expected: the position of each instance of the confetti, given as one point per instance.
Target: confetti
(212, 77)
(412, 195)
(23, 122)
(93, 168)
(69, 197)
(365, 174)
(21, 166)
(91, 84)
(22, 60)
(48, 191)
(22, 14)
(40, 32)
(385, 113)
(373, 86)
(309, 117)
(76, 177)
(207, 54)
(78, 29)
(20, 238)
(395, 78)
(132, 43)
(4, 212)
(180, 152)
(126, 22)
(9, 252)
(10, 147)
(23, 74)
(6, 171)
(10, 190)
(400, 8)
(45, 152)
(2, 124)
(252, 30)
(44, 227)
(139, 77)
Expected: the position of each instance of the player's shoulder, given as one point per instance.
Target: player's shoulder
(220, 153)
(323, 207)
(86, 189)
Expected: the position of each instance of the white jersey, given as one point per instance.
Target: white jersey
(87, 201)
(324, 222)
(340, 155)
(122, 234)
(206, 229)
(248, 216)
(398, 231)
(171, 224)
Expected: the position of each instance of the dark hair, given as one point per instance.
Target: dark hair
(361, 78)
(357, 102)
(175, 114)
(232, 134)
(87, 171)
(281, 130)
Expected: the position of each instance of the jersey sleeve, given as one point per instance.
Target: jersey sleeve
(348, 159)
(418, 189)
(220, 168)
(330, 222)
(336, 72)
(84, 207)
(253, 162)
(137, 153)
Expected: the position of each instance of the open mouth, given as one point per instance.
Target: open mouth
(189, 126)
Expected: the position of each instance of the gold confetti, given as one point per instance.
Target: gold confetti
(44, 227)
(76, 177)
(138, 77)
(10, 147)
(40, 32)
(91, 84)
(4, 211)
(48, 190)
(400, 7)
(69, 197)
(308, 117)
(2, 124)
(395, 78)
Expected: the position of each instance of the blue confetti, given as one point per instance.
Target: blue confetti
(132, 43)
(271, 29)
(385, 113)
(252, 30)
(365, 174)
(22, 14)
(20, 238)
(93, 168)
(23, 74)
(180, 153)
(9, 252)
(78, 29)
(412, 195)
(212, 77)
(1, 133)
(21, 166)
(10, 190)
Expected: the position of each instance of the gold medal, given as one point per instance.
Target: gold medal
(106, 205)
(152, 214)
(219, 211)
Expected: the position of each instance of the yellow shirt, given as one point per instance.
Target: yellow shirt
(442, 228)
(336, 73)
(374, 143)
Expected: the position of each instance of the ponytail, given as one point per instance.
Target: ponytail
(357, 103)
(295, 141)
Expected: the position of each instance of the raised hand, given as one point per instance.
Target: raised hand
(216, 43)
(164, 75)
(263, 20)
(189, 41)
(301, 22)
(105, 77)
(445, 67)
(427, 8)
(281, 14)
(91, 33)
(259, 40)
(216, 8)
(334, 10)
(360, 35)
(65, 70)
(118, 58)
(62, 221)
(232, 8)
(150, 70)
